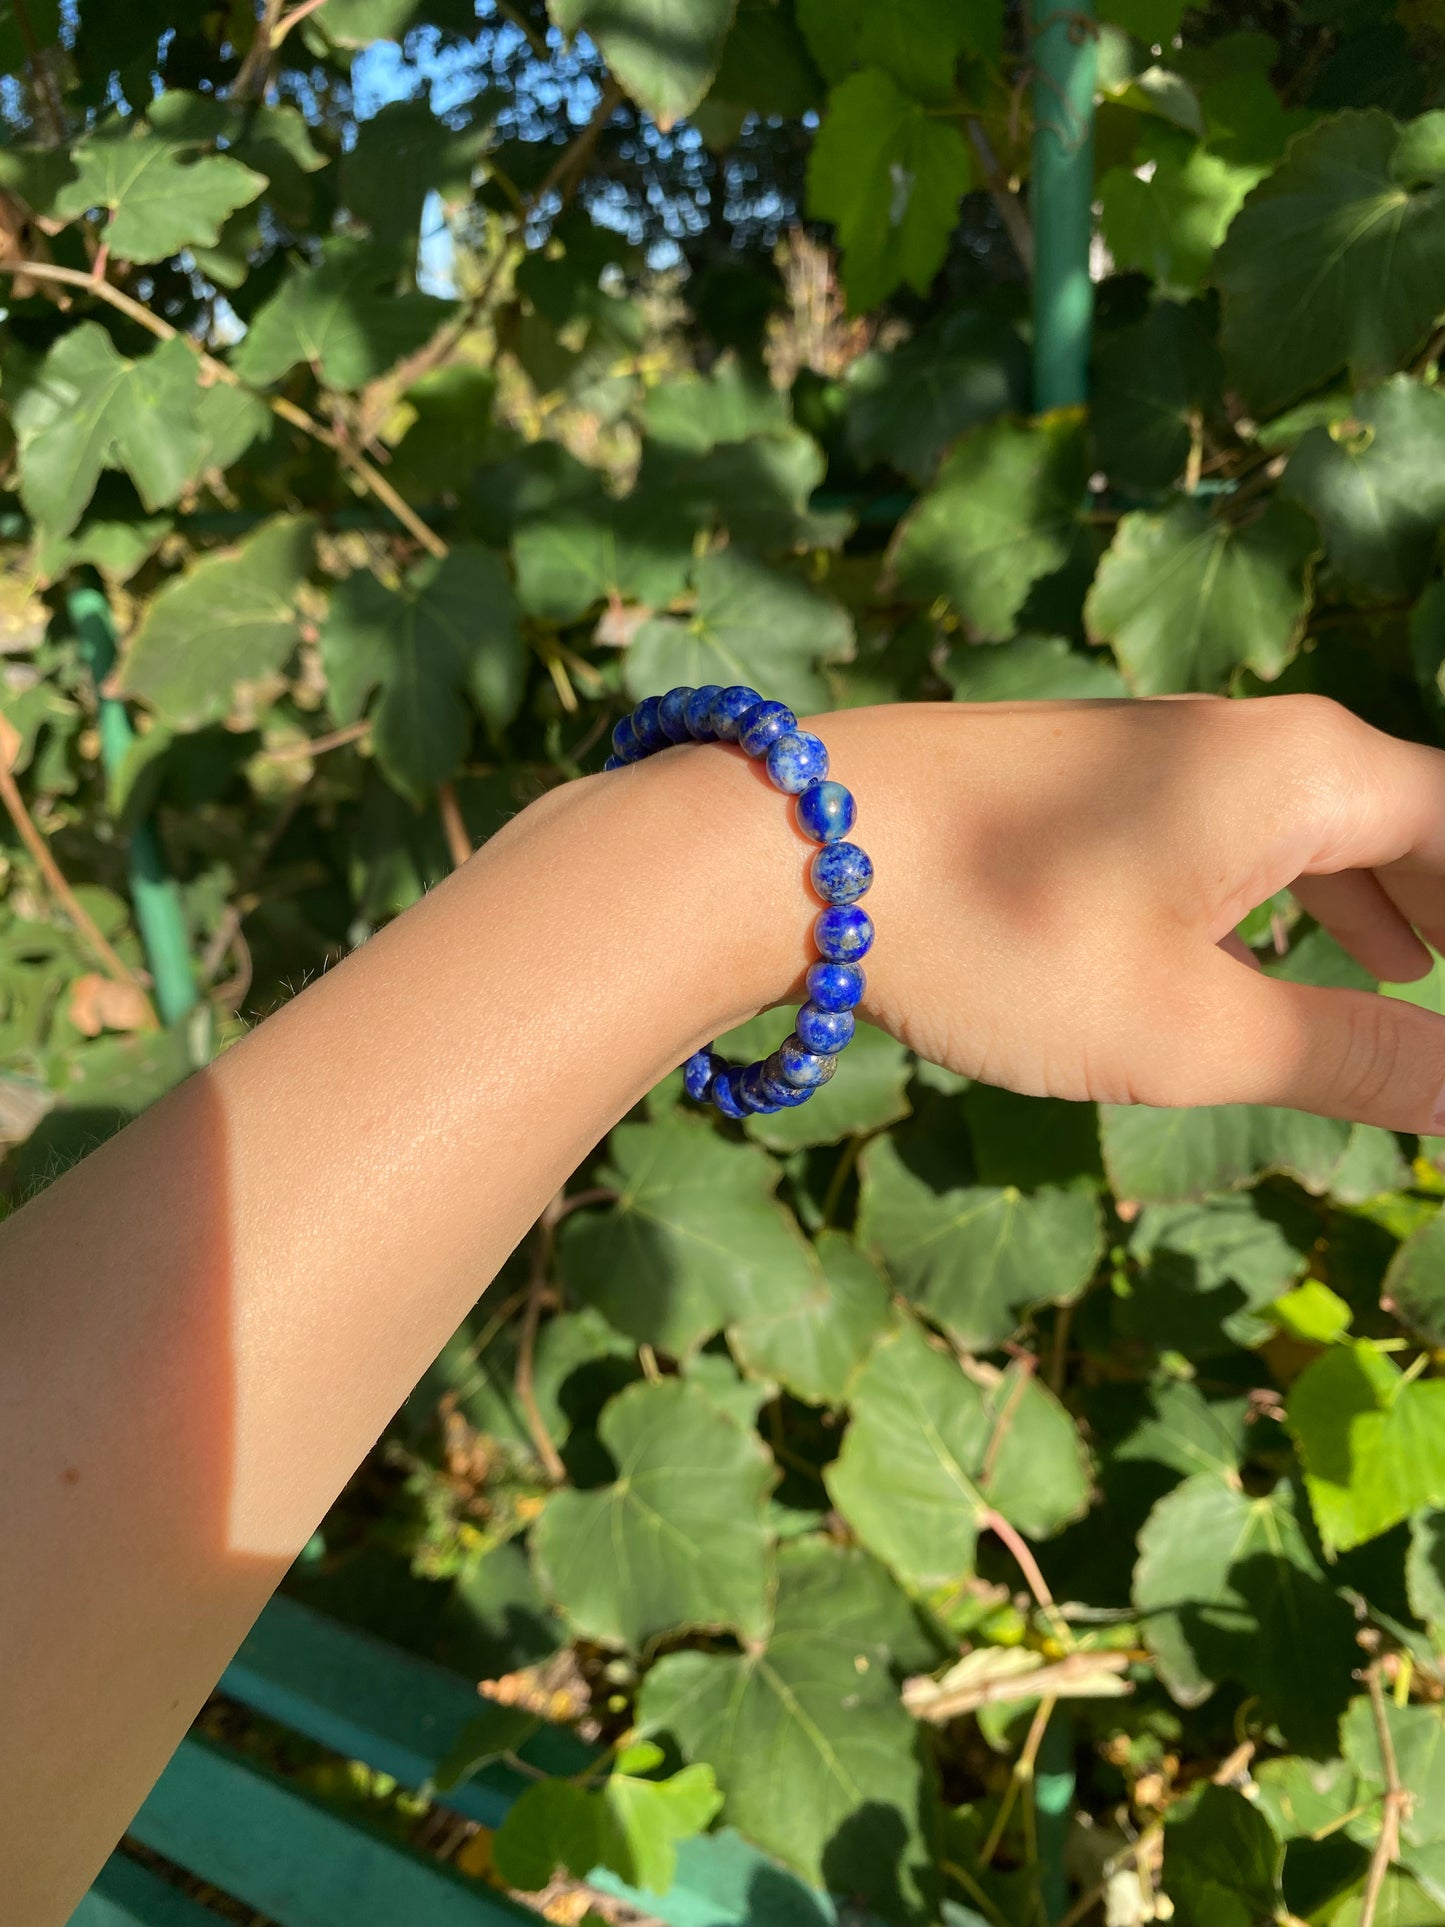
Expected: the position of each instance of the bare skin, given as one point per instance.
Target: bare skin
(205, 1326)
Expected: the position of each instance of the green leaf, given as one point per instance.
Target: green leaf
(1187, 598)
(1417, 1736)
(1154, 383)
(679, 1539)
(664, 52)
(230, 618)
(1004, 511)
(160, 195)
(1374, 484)
(1231, 1590)
(890, 178)
(695, 1240)
(753, 625)
(1414, 1285)
(1337, 259)
(1166, 1157)
(1169, 226)
(694, 413)
(1223, 1865)
(602, 551)
(1372, 1443)
(343, 316)
(402, 154)
(976, 1257)
(1209, 1268)
(959, 370)
(1155, 22)
(451, 626)
(917, 42)
(931, 1448)
(90, 408)
(628, 1825)
(1030, 669)
(818, 1760)
(1187, 1432)
(1312, 1312)
(1425, 1569)
(814, 1343)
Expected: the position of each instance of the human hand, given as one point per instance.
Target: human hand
(1057, 884)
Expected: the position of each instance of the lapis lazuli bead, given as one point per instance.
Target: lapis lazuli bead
(762, 725)
(699, 1071)
(826, 811)
(672, 714)
(797, 761)
(782, 1093)
(805, 1068)
(614, 762)
(841, 872)
(624, 741)
(843, 932)
(727, 1095)
(836, 986)
(647, 727)
(752, 1088)
(728, 709)
(824, 1031)
(699, 712)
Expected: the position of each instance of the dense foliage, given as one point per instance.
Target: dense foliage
(964, 1496)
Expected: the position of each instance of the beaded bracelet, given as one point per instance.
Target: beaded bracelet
(797, 763)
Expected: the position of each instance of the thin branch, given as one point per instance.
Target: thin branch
(293, 19)
(1010, 207)
(315, 745)
(459, 842)
(993, 1521)
(1022, 1775)
(1396, 1799)
(45, 861)
(527, 1342)
(1003, 1423)
(565, 172)
(520, 21)
(255, 70)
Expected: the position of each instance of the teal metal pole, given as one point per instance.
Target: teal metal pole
(1065, 54)
(154, 897)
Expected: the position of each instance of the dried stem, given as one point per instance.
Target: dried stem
(1022, 1775)
(45, 861)
(459, 842)
(1010, 207)
(1396, 1799)
(316, 745)
(542, 1239)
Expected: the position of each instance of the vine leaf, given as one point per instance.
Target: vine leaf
(1170, 1156)
(695, 1240)
(871, 1096)
(917, 42)
(90, 408)
(1004, 511)
(1153, 381)
(890, 177)
(593, 551)
(1230, 1590)
(451, 626)
(930, 1449)
(344, 316)
(905, 407)
(230, 618)
(815, 1343)
(161, 195)
(629, 1825)
(1223, 1862)
(1337, 259)
(1372, 1443)
(1375, 483)
(976, 1257)
(819, 1762)
(1030, 669)
(1187, 598)
(754, 625)
(1207, 1270)
(664, 52)
(1414, 1285)
(679, 1540)
(1169, 226)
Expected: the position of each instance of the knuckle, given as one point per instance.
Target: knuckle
(1373, 1056)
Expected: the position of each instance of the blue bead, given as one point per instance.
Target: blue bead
(841, 872)
(727, 1095)
(752, 1089)
(699, 1071)
(672, 714)
(777, 1087)
(806, 1069)
(797, 760)
(647, 727)
(729, 708)
(826, 812)
(624, 741)
(843, 932)
(761, 726)
(824, 1031)
(836, 986)
(614, 762)
(698, 713)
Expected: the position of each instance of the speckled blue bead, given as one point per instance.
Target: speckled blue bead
(843, 932)
(727, 1094)
(647, 726)
(699, 712)
(826, 811)
(824, 1031)
(841, 872)
(699, 1071)
(761, 726)
(728, 709)
(779, 1091)
(625, 743)
(753, 1090)
(614, 762)
(672, 714)
(806, 1069)
(797, 761)
(836, 986)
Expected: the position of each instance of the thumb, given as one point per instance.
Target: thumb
(1340, 1053)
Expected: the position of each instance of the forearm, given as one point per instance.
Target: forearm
(205, 1327)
